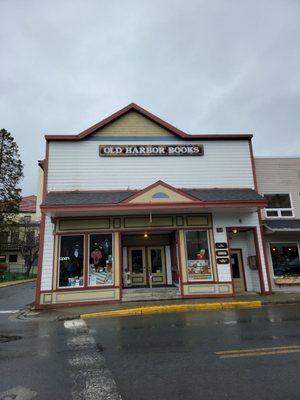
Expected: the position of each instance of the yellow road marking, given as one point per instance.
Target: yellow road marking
(257, 349)
(263, 351)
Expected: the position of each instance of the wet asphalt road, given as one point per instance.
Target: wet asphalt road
(163, 356)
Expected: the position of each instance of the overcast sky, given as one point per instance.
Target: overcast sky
(204, 66)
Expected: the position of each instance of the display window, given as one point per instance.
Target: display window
(285, 259)
(100, 260)
(71, 259)
(198, 257)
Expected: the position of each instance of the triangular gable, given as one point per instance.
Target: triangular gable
(160, 192)
(133, 124)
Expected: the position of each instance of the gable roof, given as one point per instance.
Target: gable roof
(134, 107)
(160, 188)
(204, 197)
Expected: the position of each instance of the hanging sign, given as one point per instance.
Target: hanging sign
(150, 150)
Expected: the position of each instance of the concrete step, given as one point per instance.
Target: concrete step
(139, 294)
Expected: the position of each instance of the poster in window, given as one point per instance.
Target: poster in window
(198, 256)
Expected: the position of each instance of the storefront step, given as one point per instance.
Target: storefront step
(150, 294)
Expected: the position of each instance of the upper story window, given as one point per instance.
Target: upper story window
(279, 205)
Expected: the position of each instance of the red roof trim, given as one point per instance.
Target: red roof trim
(134, 107)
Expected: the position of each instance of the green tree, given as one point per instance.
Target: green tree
(11, 172)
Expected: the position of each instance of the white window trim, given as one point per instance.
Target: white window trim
(282, 242)
(279, 210)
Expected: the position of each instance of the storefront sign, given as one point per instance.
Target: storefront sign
(150, 150)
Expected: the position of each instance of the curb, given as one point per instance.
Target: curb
(173, 308)
(13, 283)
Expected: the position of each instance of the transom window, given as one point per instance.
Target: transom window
(279, 205)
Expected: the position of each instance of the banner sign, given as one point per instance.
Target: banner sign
(150, 150)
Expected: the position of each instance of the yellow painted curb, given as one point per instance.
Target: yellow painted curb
(17, 282)
(173, 308)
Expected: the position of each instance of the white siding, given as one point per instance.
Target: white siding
(46, 281)
(245, 242)
(222, 219)
(77, 166)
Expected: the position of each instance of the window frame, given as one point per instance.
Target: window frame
(58, 263)
(10, 255)
(282, 242)
(279, 209)
(209, 243)
(87, 275)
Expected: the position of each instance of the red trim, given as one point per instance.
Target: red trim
(255, 236)
(46, 165)
(231, 274)
(120, 265)
(264, 245)
(165, 185)
(253, 165)
(86, 264)
(134, 107)
(155, 206)
(177, 240)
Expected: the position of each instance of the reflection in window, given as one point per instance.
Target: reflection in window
(198, 256)
(156, 261)
(71, 261)
(137, 261)
(100, 260)
(285, 259)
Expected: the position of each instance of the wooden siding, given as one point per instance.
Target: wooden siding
(237, 219)
(280, 175)
(46, 281)
(77, 166)
(133, 124)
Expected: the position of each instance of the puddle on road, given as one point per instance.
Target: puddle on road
(5, 338)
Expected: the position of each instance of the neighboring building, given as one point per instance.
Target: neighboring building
(10, 256)
(279, 181)
(133, 206)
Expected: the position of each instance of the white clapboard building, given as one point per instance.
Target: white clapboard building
(134, 208)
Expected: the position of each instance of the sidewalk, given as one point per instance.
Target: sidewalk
(16, 282)
(179, 305)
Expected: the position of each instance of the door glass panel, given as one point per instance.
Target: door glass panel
(235, 266)
(156, 261)
(137, 261)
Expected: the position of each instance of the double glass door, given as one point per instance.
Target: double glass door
(147, 266)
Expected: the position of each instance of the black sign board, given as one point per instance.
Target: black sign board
(129, 150)
(223, 260)
(221, 245)
(222, 253)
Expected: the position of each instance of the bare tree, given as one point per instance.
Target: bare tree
(28, 243)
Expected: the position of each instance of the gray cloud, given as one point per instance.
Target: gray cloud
(204, 66)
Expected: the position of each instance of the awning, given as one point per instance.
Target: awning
(282, 225)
